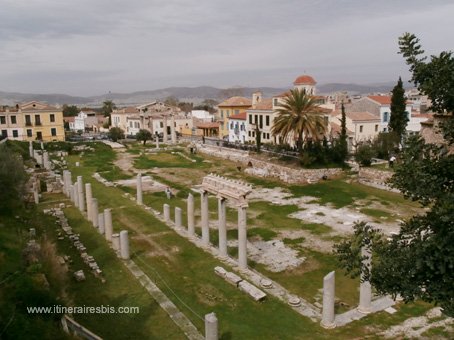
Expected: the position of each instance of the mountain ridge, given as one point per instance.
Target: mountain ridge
(193, 94)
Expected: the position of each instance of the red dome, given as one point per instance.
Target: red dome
(304, 80)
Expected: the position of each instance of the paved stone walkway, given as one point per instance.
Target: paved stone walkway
(179, 318)
(352, 315)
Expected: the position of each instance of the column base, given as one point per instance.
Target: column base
(328, 325)
(363, 310)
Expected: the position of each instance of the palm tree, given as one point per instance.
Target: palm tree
(298, 116)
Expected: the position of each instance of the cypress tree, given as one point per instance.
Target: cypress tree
(398, 121)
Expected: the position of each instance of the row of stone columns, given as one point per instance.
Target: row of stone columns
(365, 294)
(242, 226)
(101, 221)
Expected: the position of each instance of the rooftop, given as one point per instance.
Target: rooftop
(304, 80)
(236, 101)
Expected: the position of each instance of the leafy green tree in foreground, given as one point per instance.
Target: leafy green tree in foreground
(116, 133)
(398, 121)
(143, 135)
(419, 261)
(12, 179)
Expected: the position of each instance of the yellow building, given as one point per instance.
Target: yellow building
(230, 107)
(33, 121)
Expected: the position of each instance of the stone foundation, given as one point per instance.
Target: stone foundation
(264, 169)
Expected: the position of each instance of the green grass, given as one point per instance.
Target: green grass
(340, 193)
(168, 160)
(316, 228)
(265, 234)
(377, 213)
(289, 241)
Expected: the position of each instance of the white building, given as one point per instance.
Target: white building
(84, 120)
(237, 128)
(363, 126)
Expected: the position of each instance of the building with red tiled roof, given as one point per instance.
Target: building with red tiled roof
(379, 106)
(229, 107)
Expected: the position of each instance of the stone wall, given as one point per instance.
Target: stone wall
(376, 178)
(265, 169)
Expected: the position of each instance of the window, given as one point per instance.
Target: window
(231, 125)
(237, 112)
(264, 135)
(267, 136)
(376, 127)
(29, 133)
(385, 129)
(222, 113)
(4, 133)
(256, 118)
(28, 120)
(52, 118)
(13, 120)
(385, 116)
(360, 128)
(53, 132)
(267, 120)
(39, 135)
(15, 133)
(250, 119)
(253, 133)
(242, 127)
(275, 101)
(261, 121)
(37, 120)
(249, 133)
(2, 120)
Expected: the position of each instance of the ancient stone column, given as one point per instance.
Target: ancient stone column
(76, 195)
(71, 193)
(89, 198)
(164, 135)
(42, 146)
(37, 157)
(191, 229)
(30, 148)
(178, 217)
(172, 129)
(242, 238)
(222, 227)
(101, 223)
(365, 289)
(116, 242)
(328, 301)
(46, 161)
(211, 327)
(80, 193)
(66, 183)
(124, 245)
(205, 222)
(139, 189)
(108, 224)
(94, 212)
(166, 212)
(35, 192)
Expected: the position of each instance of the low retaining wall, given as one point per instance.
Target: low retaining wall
(264, 169)
(375, 178)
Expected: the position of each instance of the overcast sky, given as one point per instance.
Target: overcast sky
(90, 47)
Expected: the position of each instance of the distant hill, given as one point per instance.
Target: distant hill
(191, 94)
(358, 89)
